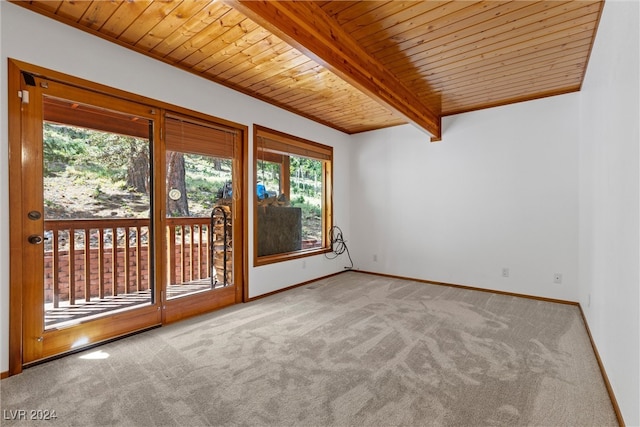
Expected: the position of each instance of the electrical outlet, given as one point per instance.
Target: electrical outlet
(304, 264)
(375, 257)
(557, 278)
(505, 272)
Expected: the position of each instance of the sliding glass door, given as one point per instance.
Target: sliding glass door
(124, 216)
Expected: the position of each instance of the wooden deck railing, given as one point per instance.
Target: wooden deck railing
(193, 261)
(89, 259)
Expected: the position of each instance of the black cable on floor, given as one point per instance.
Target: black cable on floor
(338, 245)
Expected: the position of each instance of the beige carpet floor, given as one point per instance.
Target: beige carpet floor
(351, 350)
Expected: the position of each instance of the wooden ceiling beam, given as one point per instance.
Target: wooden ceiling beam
(309, 29)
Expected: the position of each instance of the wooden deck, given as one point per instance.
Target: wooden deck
(68, 314)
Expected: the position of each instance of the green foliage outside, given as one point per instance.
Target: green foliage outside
(306, 190)
(86, 171)
(203, 181)
(87, 174)
(61, 145)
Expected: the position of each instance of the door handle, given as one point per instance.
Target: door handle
(35, 239)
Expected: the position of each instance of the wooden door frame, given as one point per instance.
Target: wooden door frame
(17, 240)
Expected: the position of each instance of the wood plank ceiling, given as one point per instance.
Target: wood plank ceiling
(358, 65)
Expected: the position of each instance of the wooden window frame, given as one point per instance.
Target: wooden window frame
(279, 144)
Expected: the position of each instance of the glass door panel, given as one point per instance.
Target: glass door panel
(96, 212)
(199, 229)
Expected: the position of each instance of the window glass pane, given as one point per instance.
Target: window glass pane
(292, 214)
(306, 193)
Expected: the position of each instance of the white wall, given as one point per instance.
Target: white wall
(499, 191)
(34, 39)
(609, 201)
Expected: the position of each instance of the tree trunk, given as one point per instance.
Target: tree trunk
(177, 204)
(138, 172)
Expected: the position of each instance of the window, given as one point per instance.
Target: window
(293, 188)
